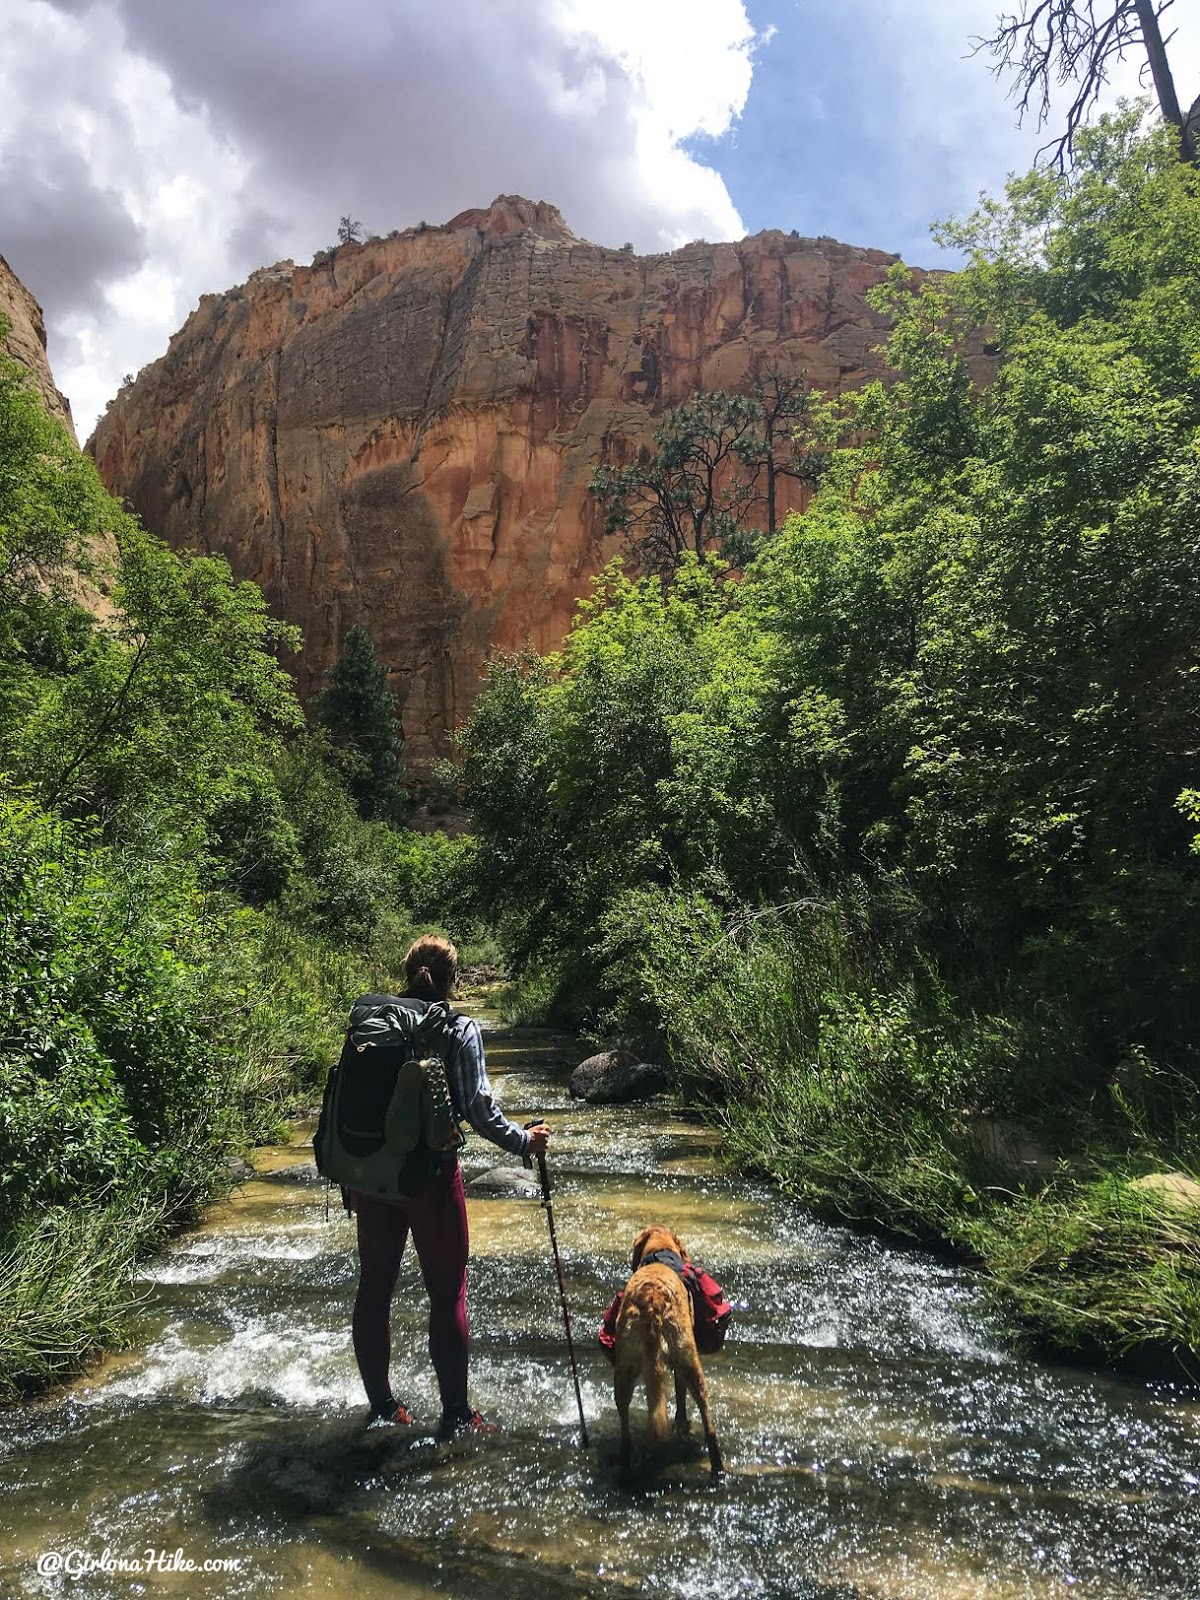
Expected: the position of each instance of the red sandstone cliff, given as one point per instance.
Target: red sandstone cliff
(403, 434)
(25, 340)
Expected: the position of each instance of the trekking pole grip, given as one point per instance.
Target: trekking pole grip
(543, 1170)
(527, 1159)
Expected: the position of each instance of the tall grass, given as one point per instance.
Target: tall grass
(1101, 1266)
(847, 1076)
(67, 1288)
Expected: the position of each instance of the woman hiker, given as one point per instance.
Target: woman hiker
(436, 1217)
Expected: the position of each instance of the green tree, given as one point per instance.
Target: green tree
(784, 409)
(349, 231)
(691, 490)
(712, 470)
(967, 671)
(359, 712)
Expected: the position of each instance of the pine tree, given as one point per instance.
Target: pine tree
(359, 711)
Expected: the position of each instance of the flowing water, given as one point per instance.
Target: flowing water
(882, 1441)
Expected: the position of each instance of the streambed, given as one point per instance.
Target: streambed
(883, 1441)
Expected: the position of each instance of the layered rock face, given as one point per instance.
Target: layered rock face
(402, 435)
(25, 341)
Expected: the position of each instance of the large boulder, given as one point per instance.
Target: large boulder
(505, 1183)
(1177, 1189)
(615, 1076)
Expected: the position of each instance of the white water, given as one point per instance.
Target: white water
(883, 1441)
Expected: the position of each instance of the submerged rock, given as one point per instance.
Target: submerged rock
(505, 1183)
(614, 1076)
(302, 1172)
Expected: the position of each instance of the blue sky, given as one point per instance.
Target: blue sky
(867, 125)
(871, 119)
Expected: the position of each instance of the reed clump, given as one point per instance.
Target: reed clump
(67, 1288)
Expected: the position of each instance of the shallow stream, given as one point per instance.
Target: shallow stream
(882, 1439)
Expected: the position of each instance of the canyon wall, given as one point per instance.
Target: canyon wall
(401, 435)
(25, 341)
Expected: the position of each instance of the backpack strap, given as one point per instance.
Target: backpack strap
(663, 1258)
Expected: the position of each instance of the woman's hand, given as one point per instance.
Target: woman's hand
(539, 1138)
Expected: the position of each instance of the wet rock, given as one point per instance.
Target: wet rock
(299, 1486)
(239, 1169)
(303, 1172)
(614, 1076)
(505, 1183)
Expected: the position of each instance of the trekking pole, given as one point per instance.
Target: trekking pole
(544, 1175)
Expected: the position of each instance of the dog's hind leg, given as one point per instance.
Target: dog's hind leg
(681, 1416)
(696, 1383)
(623, 1392)
(656, 1396)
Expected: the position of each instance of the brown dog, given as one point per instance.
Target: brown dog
(654, 1331)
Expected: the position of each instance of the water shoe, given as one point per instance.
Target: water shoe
(464, 1421)
(392, 1413)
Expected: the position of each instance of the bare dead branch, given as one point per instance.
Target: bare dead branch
(1053, 43)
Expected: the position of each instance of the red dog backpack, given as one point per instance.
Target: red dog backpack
(710, 1312)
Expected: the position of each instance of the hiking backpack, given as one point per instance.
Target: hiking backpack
(387, 1120)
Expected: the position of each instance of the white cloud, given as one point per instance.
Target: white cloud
(180, 146)
(155, 150)
(689, 64)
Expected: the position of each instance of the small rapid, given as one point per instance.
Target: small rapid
(883, 1439)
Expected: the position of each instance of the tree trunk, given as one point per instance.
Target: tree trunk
(1164, 84)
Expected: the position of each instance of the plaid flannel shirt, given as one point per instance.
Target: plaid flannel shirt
(472, 1093)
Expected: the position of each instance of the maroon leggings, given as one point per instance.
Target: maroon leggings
(438, 1220)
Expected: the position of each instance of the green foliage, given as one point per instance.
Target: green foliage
(98, 1014)
(712, 473)
(251, 836)
(148, 1026)
(188, 895)
(176, 690)
(358, 710)
(51, 501)
(568, 765)
(893, 840)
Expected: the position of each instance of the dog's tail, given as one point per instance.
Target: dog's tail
(656, 1377)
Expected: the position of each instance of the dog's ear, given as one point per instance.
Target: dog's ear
(639, 1248)
(681, 1248)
